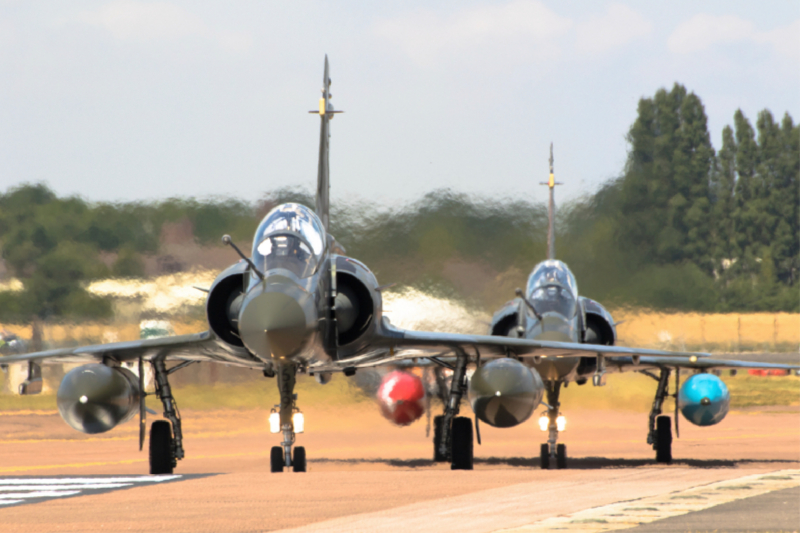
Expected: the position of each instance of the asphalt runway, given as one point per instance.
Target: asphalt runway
(366, 475)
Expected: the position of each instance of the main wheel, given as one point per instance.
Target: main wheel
(663, 439)
(161, 447)
(299, 459)
(561, 456)
(461, 449)
(276, 461)
(438, 421)
(544, 456)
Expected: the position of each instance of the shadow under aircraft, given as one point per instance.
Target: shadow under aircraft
(298, 305)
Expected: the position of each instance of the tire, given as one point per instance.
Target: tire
(299, 459)
(437, 438)
(461, 450)
(161, 448)
(544, 456)
(561, 456)
(276, 461)
(663, 439)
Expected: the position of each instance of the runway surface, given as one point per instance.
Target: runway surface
(365, 475)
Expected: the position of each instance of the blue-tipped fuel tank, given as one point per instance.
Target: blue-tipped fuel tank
(504, 392)
(704, 399)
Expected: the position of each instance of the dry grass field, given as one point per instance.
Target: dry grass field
(716, 332)
(732, 332)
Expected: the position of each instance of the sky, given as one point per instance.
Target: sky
(128, 100)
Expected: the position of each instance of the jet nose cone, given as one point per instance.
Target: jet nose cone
(554, 327)
(276, 323)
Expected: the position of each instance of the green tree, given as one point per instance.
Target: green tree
(746, 218)
(665, 189)
(44, 244)
(129, 263)
(785, 203)
(723, 185)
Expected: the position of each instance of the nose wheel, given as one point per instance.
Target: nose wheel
(551, 452)
(299, 459)
(277, 460)
(289, 421)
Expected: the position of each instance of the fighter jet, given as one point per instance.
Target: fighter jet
(550, 309)
(296, 304)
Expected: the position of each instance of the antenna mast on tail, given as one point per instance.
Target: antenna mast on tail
(551, 210)
(325, 113)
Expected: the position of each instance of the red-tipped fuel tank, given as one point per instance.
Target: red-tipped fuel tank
(401, 397)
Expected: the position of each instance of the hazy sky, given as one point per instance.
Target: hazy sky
(124, 100)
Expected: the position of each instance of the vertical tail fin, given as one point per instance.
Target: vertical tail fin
(325, 113)
(551, 210)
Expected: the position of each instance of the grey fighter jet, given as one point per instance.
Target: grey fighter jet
(297, 304)
(550, 309)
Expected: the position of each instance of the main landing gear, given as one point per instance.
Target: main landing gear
(166, 437)
(452, 434)
(288, 420)
(660, 429)
(550, 452)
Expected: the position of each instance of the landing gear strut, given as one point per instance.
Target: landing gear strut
(440, 454)
(166, 443)
(452, 435)
(551, 452)
(660, 430)
(282, 456)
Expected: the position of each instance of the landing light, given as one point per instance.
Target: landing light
(561, 423)
(274, 422)
(299, 422)
(543, 423)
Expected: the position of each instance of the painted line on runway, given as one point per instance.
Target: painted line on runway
(16, 491)
(631, 513)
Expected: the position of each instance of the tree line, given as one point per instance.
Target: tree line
(684, 227)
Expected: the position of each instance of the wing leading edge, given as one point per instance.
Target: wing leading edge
(202, 346)
(500, 346)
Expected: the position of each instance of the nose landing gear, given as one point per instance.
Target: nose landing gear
(551, 452)
(290, 422)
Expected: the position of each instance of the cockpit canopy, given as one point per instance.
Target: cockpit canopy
(552, 288)
(290, 237)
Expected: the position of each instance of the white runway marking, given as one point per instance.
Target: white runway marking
(15, 491)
